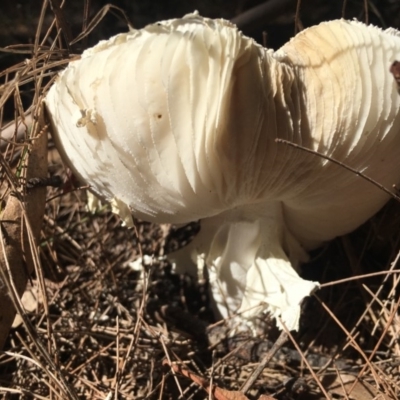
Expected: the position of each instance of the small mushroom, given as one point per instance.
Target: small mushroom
(177, 122)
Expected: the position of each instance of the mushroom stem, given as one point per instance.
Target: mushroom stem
(251, 259)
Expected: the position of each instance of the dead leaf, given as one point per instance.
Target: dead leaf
(341, 385)
(30, 302)
(217, 392)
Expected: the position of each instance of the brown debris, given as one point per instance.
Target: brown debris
(21, 226)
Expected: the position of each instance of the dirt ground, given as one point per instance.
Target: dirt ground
(98, 324)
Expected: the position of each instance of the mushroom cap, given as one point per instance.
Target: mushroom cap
(176, 122)
(144, 118)
(351, 101)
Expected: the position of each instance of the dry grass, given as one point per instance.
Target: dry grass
(101, 325)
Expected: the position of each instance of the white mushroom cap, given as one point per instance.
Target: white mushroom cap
(177, 122)
(144, 117)
(352, 105)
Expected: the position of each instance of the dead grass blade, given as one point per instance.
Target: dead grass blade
(108, 8)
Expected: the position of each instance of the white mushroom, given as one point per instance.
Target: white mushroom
(177, 122)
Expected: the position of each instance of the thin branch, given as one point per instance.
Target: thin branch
(257, 17)
(355, 278)
(282, 339)
(332, 160)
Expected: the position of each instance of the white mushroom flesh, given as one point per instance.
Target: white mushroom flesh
(177, 122)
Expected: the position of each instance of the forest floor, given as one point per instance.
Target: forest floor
(106, 316)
